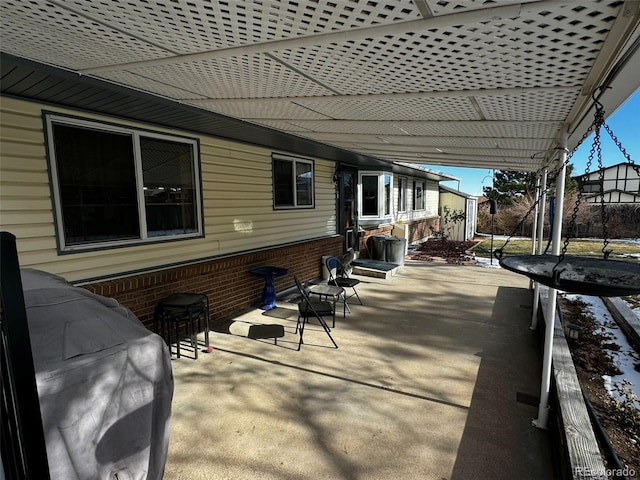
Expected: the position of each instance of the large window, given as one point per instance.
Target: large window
(292, 182)
(375, 195)
(418, 195)
(116, 185)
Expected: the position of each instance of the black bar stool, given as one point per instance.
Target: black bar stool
(187, 308)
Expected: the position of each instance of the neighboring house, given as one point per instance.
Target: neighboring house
(617, 184)
(135, 197)
(616, 189)
(454, 203)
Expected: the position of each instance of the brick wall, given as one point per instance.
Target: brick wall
(226, 281)
(420, 230)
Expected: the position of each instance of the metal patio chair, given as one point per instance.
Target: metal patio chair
(308, 308)
(341, 278)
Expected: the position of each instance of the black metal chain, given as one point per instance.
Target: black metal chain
(596, 148)
(604, 214)
(498, 253)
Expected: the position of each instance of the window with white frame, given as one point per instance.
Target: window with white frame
(375, 195)
(115, 185)
(292, 182)
(418, 195)
(402, 194)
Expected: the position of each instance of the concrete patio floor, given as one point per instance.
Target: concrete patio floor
(428, 382)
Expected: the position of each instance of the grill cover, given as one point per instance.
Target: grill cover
(104, 383)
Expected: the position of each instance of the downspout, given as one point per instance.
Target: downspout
(539, 231)
(545, 387)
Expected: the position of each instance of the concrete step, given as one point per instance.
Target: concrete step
(374, 268)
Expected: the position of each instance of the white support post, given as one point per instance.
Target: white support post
(545, 387)
(539, 231)
(534, 227)
(543, 206)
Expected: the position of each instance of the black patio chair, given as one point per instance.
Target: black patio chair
(341, 277)
(312, 308)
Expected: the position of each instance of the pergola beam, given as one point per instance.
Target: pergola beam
(380, 149)
(403, 147)
(445, 156)
(470, 17)
(477, 162)
(337, 136)
(408, 123)
(488, 92)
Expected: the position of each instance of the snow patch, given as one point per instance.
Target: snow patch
(487, 263)
(625, 358)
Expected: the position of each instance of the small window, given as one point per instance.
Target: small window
(375, 194)
(592, 186)
(117, 185)
(369, 195)
(418, 195)
(402, 194)
(292, 182)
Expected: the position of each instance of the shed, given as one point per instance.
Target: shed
(458, 214)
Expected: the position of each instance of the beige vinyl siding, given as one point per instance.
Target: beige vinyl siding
(431, 198)
(25, 203)
(453, 201)
(236, 192)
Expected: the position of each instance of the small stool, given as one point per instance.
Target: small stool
(270, 330)
(183, 307)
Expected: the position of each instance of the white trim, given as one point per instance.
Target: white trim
(142, 214)
(402, 193)
(381, 217)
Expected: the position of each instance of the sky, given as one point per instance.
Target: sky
(625, 124)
